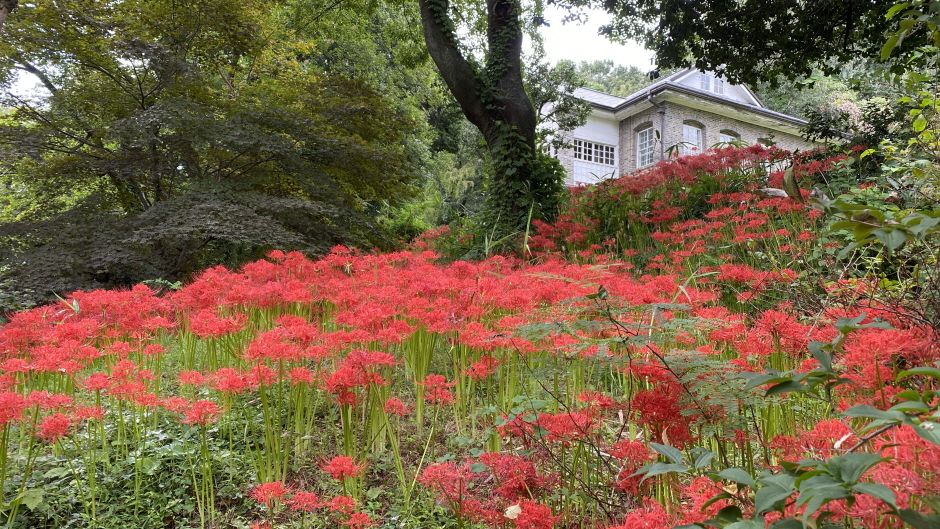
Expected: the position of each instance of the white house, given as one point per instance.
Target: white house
(682, 113)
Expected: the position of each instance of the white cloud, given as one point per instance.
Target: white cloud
(581, 42)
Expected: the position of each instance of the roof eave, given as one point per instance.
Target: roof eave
(655, 91)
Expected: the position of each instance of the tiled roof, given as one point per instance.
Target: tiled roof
(659, 82)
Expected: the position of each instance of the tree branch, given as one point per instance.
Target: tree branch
(459, 75)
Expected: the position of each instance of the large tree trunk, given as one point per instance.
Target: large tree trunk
(493, 97)
(6, 7)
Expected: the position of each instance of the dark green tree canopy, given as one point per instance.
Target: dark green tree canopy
(749, 40)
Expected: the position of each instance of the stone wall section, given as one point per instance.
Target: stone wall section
(628, 129)
(713, 124)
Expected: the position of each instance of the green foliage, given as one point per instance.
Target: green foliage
(174, 136)
(813, 482)
(751, 40)
(605, 76)
(152, 489)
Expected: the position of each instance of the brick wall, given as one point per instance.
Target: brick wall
(713, 123)
(628, 130)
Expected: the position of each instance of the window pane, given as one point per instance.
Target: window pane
(644, 147)
(590, 151)
(691, 139)
(706, 82)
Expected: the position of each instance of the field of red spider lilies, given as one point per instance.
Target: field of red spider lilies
(595, 384)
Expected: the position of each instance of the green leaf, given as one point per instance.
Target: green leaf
(847, 325)
(929, 431)
(31, 498)
(889, 46)
(57, 472)
(895, 9)
(910, 406)
(738, 475)
(824, 357)
(661, 468)
(920, 123)
(729, 514)
(877, 490)
(850, 467)
(870, 412)
(703, 458)
(790, 386)
(746, 524)
(910, 394)
(671, 453)
(788, 523)
(925, 371)
(918, 520)
(715, 498)
(769, 496)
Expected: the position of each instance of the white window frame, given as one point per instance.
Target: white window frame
(712, 83)
(645, 147)
(692, 145)
(595, 152)
(705, 82)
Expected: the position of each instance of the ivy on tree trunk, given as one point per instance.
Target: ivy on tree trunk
(493, 97)
(6, 7)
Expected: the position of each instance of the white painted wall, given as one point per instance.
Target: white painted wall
(733, 92)
(599, 128)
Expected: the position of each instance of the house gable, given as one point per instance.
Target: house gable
(712, 84)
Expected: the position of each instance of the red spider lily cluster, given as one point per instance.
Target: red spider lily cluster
(560, 390)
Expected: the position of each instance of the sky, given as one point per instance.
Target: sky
(580, 42)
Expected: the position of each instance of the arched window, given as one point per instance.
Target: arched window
(728, 136)
(693, 138)
(645, 145)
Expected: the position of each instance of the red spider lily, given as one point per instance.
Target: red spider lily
(566, 427)
(534, 515)
(54, 427)
(229, 380)
(342, 504)
(201, 413)
(191, 378)
(89, 413)
(274, 345)
(208, 324)
(302, 375)
(697, 494)
(482, 368)
(304, 501)
(269, 493)
(515, 477)
(437, 389)
(448, 480)
(12, 406)
(651, 515)
(394, 406)
(358, 520)
(342, 467)
(48, 401)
